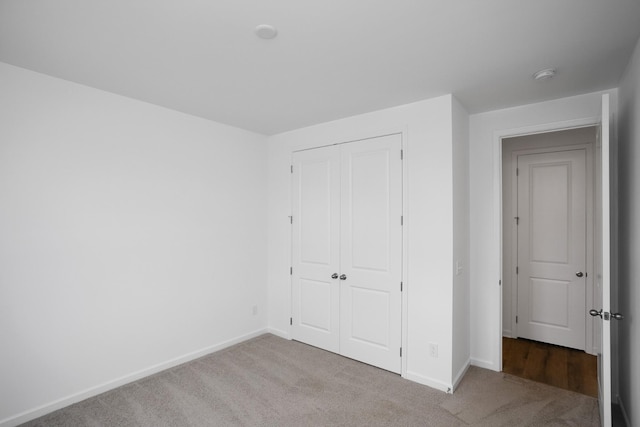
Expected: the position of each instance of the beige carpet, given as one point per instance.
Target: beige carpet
(269, 381)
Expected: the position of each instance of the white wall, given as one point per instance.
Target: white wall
(428, 187)
(486, 322)
(629, 240)
(461, 291)
(132, 237)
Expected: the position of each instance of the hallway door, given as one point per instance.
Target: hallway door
(552, 247)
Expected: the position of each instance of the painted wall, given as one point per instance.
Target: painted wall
(132, 238)
(629, 241)
(461, 291)
(484, 168)
(428, 189)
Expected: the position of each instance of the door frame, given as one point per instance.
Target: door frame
(510, 250)
(498, 136)
(403, 131)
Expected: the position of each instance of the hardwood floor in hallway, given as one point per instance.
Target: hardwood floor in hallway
(550, 364)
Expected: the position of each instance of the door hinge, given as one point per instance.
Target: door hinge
(517, 171)
(400, 286)
(516, 319)
(517, 218)
(291, 219)
(291, 321)
(291, 168)
(401, 154)
(400, 351)
(499, 282)
(401, 219)
(517, 270)
(291, 271)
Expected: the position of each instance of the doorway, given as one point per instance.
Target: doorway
(548, 238)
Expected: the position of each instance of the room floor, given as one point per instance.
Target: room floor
(550, 364)
(270, 381)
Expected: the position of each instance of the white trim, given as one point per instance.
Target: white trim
(498, 135)
(461, 374)
(279, 333)
(485, 364)
(430, 382)
(47, 408)
(625, 415)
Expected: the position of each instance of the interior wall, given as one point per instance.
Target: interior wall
(461, 305)
(428, 219)
(485, 189)
(132, 238)
(629, 240)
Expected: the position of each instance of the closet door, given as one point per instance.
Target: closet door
(371, 251)
(316, 251)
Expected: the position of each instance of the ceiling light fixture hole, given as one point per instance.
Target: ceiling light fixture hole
(265, 31)
(545, 74)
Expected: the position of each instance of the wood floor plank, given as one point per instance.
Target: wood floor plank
(558, 366)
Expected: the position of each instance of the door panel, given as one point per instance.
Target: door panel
(315, 245)
(602, 295)
(552, 247)
(371, 256)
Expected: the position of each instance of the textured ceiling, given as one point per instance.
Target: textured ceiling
(331, 59)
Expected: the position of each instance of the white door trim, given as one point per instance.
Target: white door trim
(536, 148)
(498, 135)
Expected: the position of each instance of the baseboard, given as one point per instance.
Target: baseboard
(279, 333)
(34, 413)
(486, 364)
(430, 382)
(627, 421)
(461, 374)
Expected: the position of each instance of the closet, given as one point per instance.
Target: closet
(347, 249)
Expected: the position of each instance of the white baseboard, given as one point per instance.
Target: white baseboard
(486, 364)
(624, 412)
(34, 413)
(461, 374)
(279, 333)
(430, 382)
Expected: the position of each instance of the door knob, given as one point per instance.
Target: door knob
(579, 274)
(343, 277)
(595, 313)
(334, 276)
(617, 316)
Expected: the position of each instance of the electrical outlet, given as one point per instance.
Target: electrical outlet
(255, 310)
(433, 350)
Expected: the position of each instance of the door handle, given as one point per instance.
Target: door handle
(607, 315)
(334, 276)
(579, 274)
(343, 277)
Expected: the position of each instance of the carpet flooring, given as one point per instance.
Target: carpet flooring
(269, 381)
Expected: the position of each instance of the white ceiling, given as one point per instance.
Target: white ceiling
(331, 59)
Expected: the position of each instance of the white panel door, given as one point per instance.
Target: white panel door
(552, 247)
(602, 297)
(316, 247)
(371, 252)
